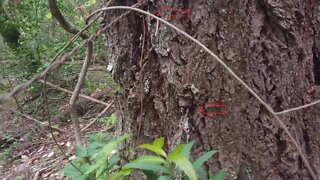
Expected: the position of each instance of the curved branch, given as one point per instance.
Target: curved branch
(62, 21)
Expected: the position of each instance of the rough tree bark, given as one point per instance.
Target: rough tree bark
(274, 46)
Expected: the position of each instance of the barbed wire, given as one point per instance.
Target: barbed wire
(57, 64)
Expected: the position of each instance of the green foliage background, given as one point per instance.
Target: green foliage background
(30, 37)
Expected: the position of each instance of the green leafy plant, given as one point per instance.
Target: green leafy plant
(9, 145)
(111, 120)
(175, 165)
(97, 161)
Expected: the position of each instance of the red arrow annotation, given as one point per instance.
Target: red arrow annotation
(210, 104)
(174, 13)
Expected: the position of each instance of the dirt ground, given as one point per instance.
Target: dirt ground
(27, 150)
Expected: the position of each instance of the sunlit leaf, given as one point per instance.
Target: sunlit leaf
(150, 159)
(159, 142)
(187, 149)
(49, 15)
(182, 162)
(107, 149)
(219, 175)
(121, 174)
(153, 149)
(148, 166)
(198, 163)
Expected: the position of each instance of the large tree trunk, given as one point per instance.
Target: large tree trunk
(273, 46)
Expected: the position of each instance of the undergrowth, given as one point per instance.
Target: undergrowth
(101, 160)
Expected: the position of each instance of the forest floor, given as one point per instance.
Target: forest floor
(27, 150)
(31, 153)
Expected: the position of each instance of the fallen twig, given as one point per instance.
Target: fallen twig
(80, 95)
(298, 108)
(99, 115)
(41, 124)
(39, 76)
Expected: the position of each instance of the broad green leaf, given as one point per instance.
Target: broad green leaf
(148, 166)
(107, 149)
(219, 175)
(178, 149)
(94, 148)
(164, 178)
(153, 149)
(91, 169)
(159, 142)
(102, 177)
(182, 162)
(95, 145)
(198, 163)
(113, 161)
(150, 175)
(81, 152)
(71, 171)
(183, 149)
(121, 174)
(202, 174)
(83, 167)
(92, 172)
(101, 170)
(187, 149)
(150, 159)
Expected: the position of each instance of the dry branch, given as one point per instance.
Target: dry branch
(55, 11)
(99, 115)
(298, 108)
(80, 95)
(39, 76)
(76, 92)
(41, 124)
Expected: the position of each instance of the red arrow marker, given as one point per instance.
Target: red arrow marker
(210, 104)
